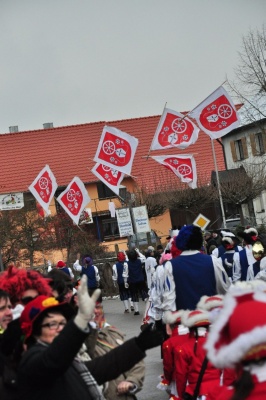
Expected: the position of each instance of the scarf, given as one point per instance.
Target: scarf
(93, 389)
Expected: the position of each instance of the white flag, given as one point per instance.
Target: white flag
(174, 130)
(216, 115)
(74, 199)
(43, 188)
(116, 149)
(183, 166)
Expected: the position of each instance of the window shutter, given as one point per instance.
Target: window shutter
(233, 150)
(253, 144)
(244, 144)
(263, 133)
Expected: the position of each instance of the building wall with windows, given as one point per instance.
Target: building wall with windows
(246, 146)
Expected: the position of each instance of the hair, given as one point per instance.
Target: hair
(132, 255)
(243, 386)
(61, 282)
(16, 281)
(4, 295)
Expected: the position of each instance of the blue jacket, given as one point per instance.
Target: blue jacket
(194, 277)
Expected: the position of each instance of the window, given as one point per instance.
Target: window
(239, 150)
(104, 192)
(29, 202)
(259, 143)
(110, 228)
(58, 207)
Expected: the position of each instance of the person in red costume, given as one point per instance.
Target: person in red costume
(178, 335)
(214, 304)
(238, 340)
(190, 356)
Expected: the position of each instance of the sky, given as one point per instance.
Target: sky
(77, 61)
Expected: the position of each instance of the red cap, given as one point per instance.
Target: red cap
(60, 264)
(34, 308)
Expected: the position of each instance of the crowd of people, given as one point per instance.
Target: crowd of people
(205, 298)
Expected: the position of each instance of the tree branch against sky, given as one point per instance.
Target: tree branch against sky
(250, 83)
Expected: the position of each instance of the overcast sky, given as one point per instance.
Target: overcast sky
(79, 61)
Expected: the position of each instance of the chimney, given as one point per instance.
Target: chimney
(13, 129)
(48, 125)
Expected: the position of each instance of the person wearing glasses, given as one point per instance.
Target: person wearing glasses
(54, 365)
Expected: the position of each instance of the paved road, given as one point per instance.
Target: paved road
(130, 325)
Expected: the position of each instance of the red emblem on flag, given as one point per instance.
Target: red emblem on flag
(116, 149)
(216, 115)
(174, 130)
(183, 166)
(44, 187)
(109, 176)
(73, 199)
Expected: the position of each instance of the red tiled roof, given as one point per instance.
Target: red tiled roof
(69, 152)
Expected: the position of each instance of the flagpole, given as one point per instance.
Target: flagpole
(218, 184)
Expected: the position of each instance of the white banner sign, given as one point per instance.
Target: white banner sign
(11, 201)
(124, 222)
(141, 219)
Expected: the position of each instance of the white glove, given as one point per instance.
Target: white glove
(86, 304)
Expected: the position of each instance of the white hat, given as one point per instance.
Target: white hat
(195, 318)
(208, 303)
(172, 317)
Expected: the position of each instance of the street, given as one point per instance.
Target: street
(130, 325)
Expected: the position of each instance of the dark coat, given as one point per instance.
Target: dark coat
(47, 372)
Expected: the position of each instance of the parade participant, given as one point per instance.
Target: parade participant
(62, 285)
(61, 265)
(134, 277)
(210, 242)
(91, 271)
(105, 338)
(5, 363)
(218, 251)
(192, 274)
(23, 285)
(228, 255)
(258, 253)
(150, 265)
(152, 312)
(5, 311)
(51, 368)
(237, 340)
(119, 272)
(244, 258)
(190, 359)
(178, 334)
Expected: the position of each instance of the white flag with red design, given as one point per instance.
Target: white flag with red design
(174, 130)
(109, 176)
(116, 149)
(183, 166)
(216, 115)
(43, 188)
(74, 199)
